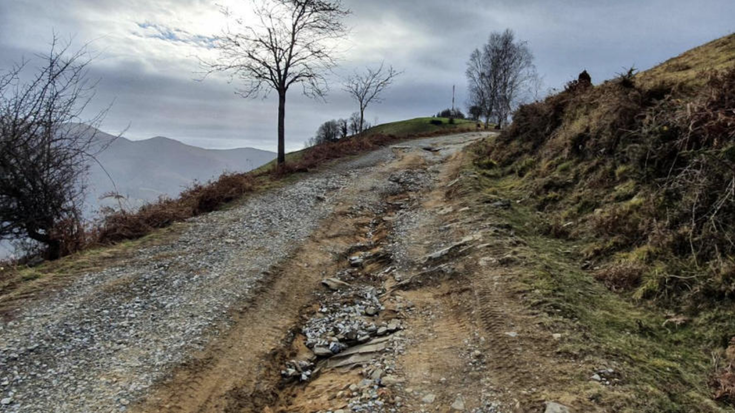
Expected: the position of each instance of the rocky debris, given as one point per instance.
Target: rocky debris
(343, 319)
(553, 407)
(298, 370)
(606, 376)
(409, 180)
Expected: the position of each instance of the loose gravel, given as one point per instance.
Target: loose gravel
(101, 343)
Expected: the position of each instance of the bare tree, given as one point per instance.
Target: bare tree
(501, 76)
(366, 88)
(344, 128)
(291, 44)
(44, 157)
(354, 123)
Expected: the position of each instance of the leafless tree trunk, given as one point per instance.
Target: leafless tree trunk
(500, 76)
(368, 87)
(290, 45)
(44, 151)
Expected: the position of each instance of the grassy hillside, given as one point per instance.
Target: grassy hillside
(636, 177)
(686, 70)
(421, 126)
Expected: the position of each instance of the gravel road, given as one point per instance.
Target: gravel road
(101, 343)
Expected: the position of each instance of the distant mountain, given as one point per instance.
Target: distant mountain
(145, 170)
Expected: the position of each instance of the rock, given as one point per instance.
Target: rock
(391, 380)
(502, 204)
(458, 404)
(393, 326)
(552, 407)
(429, 398)
(334, 284)
(357, 261)
(556, 336)
(323, 352)
(371, 311)
(596, 377)
(512, 334)
(377, 374)
(382, 331)
(446, 211)
(339, 411)
(6, 401)
(435, 256)
(487, 261)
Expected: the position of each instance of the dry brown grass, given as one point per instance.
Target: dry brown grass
(685, 71)
(633, 166)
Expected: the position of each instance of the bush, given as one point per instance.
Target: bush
(436, 122)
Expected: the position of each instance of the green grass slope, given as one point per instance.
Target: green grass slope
(420, 126)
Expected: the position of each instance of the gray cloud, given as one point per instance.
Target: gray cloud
(148, 50)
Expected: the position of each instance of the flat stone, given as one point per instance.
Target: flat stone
(334, 284)
(393, 326)
(377, 374)
(429, 398)
(512, 334)
(458, 404)
(323, 352)
(391, 380)
(6, 401)
(371, 311)
(382, 331)
(553, 407)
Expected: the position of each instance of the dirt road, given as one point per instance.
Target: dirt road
(373, 286)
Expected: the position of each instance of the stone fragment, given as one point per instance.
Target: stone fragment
(429, 398)
(334, 284)
(322, 352)
(458, 404)
(553, 407)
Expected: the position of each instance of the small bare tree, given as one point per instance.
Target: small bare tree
(44, 157)
(501, 76)
(291, 44)
(367, 87)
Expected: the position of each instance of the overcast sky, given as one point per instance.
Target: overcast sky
(146, 55)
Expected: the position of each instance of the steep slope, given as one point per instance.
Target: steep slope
(687, 69)
(634, 179)
(145, 170)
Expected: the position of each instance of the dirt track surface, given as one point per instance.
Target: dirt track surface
(119, 339)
